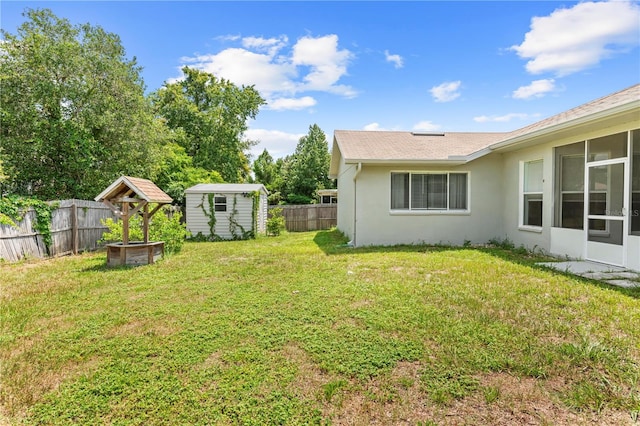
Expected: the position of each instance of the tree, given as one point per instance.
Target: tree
(73, 115)
(176, 172)
(212, 114)
(264, 170)
(308, 170)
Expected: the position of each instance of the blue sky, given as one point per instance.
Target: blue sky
(430, 66)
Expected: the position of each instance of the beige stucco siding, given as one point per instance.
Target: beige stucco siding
(345, 204)
(376, 224)
(511, 216)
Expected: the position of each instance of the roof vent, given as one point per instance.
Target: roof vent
(426, 134)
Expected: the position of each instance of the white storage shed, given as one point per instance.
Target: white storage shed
(226, 211)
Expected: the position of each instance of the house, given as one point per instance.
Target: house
(569, 184)
(226, 211)
(327, 196)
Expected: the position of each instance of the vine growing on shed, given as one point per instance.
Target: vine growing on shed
(255, 197)
(234, 224)
(211, 214)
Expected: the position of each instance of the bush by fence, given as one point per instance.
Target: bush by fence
(75, 227)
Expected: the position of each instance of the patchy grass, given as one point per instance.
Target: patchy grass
(301, 330)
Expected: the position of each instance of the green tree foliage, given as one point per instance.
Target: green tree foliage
(267, 172)
(211, 115)
(175, 172)
(73, 115)
(3, 175)
(308, 168)
(264, 170)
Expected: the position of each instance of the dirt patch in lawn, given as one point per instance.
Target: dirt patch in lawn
(138, 328)
(502, 399)
(393, 398)
(310, 378)
(34, 381)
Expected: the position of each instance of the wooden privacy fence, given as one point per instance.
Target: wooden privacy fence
(75, 227)
(309, 217)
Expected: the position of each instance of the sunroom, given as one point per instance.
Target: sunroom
(597, 199)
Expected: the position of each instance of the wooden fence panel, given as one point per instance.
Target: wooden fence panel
(21, 241)
(75, 226)
(309, 217)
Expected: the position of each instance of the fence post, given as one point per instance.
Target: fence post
(74, 227)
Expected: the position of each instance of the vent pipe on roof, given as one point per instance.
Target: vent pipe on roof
(426, 134)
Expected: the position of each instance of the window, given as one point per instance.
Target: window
(220, 204)
(429, 191)
(608, 147)
(635, 183)
(569, 188)
(532, 193)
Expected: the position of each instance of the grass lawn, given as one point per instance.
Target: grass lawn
(299, 330)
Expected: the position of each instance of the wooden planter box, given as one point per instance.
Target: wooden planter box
(135, 253)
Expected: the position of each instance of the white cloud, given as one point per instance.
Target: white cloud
(277, 71)
(244, 67)
(425, 126)
(504, 118)
(281, 104)
(397, 60)
(446, 92)
(327, 63)
(228, 37)
(271, 45)
(536, 89)
(372, 127)
(278, 143)
(573, 39)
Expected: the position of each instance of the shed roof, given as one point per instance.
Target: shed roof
(143, 188)
(206, 188)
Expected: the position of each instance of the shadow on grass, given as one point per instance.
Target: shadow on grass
(333, 242)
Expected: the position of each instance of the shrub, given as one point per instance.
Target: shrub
(299, 199)
(161, 228)
(275, 222)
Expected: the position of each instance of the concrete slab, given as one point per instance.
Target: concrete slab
(580, 267)
(624, 283)
(611, 275)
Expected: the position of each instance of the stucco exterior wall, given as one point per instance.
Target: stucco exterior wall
(376, 224)
(548, 239)
(346, 202)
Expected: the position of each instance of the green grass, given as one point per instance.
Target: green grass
(301, 330)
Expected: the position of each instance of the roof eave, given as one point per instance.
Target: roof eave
(451, 161)
(590, 118)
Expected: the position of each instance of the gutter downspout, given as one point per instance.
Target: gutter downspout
(355, 203)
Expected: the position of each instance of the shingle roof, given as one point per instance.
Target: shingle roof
(405, 146)
(383, 146)
(226, 187)
(608, 102)
(143, 188)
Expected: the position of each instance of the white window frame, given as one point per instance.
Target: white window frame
(521, 194)
(431, 212)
